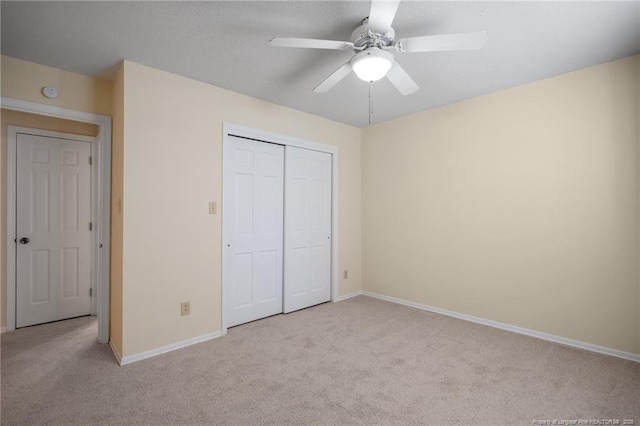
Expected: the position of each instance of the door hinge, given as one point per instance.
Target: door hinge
(90, 161)
(90, 292)
(90, 226)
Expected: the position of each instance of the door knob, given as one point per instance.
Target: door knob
(24, 240)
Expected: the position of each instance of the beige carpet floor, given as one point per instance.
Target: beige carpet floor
(361, 361)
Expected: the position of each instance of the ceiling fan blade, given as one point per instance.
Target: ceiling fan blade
(403, 82)
(334, 78)
(381, 15)
(438, 43)
(310, 43)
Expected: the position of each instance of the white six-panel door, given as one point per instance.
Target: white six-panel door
(53, 212)
(253, 227)
(307, 273)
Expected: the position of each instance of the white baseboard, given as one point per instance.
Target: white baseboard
(116, 352)
(348, 296)
(520, 330)
(164, 349)
(3, 329)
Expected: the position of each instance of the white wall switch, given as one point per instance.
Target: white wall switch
(213, 209)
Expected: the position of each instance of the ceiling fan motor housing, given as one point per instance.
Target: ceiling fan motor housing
(363, 36)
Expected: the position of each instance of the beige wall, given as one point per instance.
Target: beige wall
(520, 206)
(172, 169)
(117, 164)
(25, 80)
(15, 118)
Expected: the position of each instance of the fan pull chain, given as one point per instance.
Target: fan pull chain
(370, 100)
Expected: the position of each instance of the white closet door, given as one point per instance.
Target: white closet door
(253, 224)
(307, 276)
(53, 274)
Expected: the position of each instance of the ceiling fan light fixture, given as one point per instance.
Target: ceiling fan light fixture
(372, 64)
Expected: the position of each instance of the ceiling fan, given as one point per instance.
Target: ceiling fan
(374, 40)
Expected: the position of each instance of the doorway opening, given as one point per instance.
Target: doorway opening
(57, 217)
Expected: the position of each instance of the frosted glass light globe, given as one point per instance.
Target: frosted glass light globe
(372, 64)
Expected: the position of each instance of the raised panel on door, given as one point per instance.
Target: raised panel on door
(253, 185)
(53, 259)
(307, 274)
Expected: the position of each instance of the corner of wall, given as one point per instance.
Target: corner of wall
(350, 215)
(638, 172)
(3, 227)
(117, 167)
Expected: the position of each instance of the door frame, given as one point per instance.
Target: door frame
(100, 204)
(230, 129)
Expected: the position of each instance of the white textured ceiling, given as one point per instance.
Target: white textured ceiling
(226, 44)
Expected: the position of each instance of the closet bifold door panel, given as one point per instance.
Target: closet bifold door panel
(253, 226)
(307, 233)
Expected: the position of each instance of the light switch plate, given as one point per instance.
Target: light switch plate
(213, 209)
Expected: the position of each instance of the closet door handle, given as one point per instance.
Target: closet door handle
(24, 240)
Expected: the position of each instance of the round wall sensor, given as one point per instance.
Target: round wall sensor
(50, 92)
